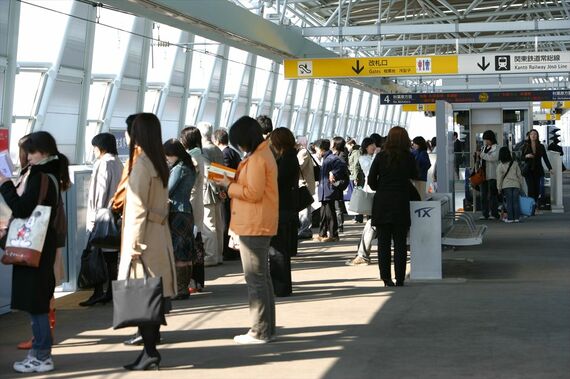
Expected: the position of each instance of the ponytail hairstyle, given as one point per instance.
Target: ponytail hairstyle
(44, 143)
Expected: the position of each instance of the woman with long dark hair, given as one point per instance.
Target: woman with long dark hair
(181, 219)
(105, 179)
(146, 236)
(489, 155)
(32, 288)
(254, 203)
(533, 153)
(284, 244)
(191, 139)
(390, 175)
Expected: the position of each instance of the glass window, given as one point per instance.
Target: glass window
(192, 106)
(110, 44)
(162, 53)
(97, 100)
(236, 65)
(27, 92)
(42, 30)
(253, 110)
(282, 86)
(203, 60)
(151, 100)
(342, 99)
(20, 127)
(317, 91)
(226, 108)
(260, 83)
(275, 114)
(354, 101)
(374, 107)
(90, 132)
(301, 92)
(330, 97)
(364, 106)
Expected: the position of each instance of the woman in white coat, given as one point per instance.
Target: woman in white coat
(105, 178)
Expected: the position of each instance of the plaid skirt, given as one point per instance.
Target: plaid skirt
(182, 234)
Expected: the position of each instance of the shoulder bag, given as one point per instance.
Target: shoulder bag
(361, 201)
(106, 232)
(305, 197)
(26, 237)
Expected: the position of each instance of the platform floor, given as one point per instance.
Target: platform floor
(502, 311)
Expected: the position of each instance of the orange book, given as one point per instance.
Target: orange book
(217, 171)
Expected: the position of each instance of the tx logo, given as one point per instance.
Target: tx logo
(424, 212)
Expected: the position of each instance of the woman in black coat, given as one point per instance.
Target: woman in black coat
(284, 244)
(390, 175)
(533, 153)
(32, 288)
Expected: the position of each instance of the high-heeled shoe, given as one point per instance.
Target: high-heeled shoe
(136, 362)
(388, 283)
(144, 362)
(399, 283)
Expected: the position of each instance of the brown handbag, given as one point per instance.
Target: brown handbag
(478, 177)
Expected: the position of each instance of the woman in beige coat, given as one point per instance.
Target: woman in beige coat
(146, 235)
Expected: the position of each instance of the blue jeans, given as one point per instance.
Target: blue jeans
(513, 205)
(41, 344)
(489, 198)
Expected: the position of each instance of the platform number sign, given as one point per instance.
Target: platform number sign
(387, 99)
(305, 68)
(502, 63)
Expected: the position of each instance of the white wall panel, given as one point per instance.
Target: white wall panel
(169, 120)
(63, 127)
(169, 129)
(126, 105)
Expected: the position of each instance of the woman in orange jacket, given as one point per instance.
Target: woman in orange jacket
(255, 213)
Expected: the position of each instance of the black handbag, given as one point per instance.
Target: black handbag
(316, 167)
(107, 230)
(93, 269)
(138, 302)
(305, 197)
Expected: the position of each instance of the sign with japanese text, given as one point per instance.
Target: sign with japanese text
(428, 65)
(514, 63)
(370, 67)
(474, 97)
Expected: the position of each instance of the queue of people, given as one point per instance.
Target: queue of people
(177, 220)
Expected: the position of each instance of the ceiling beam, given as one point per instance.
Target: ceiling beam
(445, 41)
(469, 27)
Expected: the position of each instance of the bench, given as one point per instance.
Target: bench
(457, 229)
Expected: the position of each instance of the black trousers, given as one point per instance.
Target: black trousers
(329, 222)
(387, 233)
(533, 184)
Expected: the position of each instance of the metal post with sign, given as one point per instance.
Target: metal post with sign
(445, 157)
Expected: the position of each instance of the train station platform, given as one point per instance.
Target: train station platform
(501, 311)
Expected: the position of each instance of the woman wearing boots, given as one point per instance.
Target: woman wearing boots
(181, 221)
(105, 178)
(146, 235)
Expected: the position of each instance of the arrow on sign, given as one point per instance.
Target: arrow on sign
(358, 69)
(482, 65)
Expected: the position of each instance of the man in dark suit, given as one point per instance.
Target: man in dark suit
(231, 160)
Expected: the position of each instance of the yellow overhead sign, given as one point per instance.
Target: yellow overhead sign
(370, 67)
(418, 107)
(545, 117)
(554, 104)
